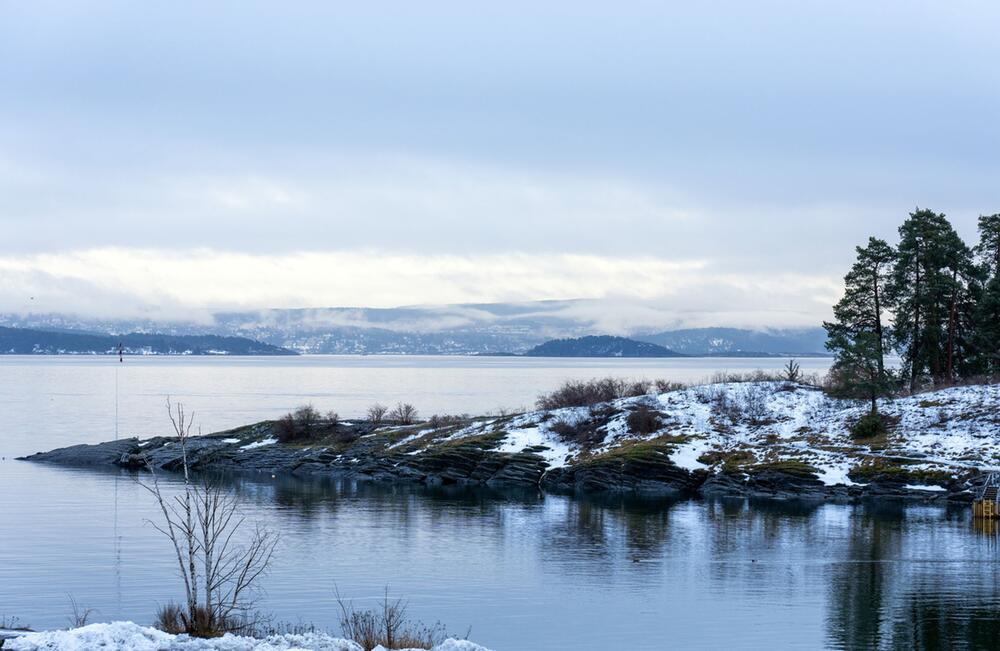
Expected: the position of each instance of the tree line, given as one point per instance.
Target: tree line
(931, 299)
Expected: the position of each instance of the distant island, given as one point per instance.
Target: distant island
(600, 346)
(23, 341)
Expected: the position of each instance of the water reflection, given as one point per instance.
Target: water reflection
(888, 585)
(581, 573)
(860, 581)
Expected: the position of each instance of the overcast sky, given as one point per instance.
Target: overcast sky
(717, 161)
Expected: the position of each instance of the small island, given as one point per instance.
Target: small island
(600, 346)
(750, 436)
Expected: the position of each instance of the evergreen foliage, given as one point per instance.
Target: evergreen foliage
(933, 294)
(986, 316)
(932, 299)
(857, 336)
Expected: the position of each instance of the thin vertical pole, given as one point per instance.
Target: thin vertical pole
(121, 360)
(118, 546)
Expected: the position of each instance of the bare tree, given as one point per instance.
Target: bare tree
(202, 523)
(376, 413)
(405, 413)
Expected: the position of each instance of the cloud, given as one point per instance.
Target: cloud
(628, 292)
(151, 161)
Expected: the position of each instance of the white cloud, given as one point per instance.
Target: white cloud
(643, 290)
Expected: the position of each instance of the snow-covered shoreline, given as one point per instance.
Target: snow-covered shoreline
(764, 439)
(128, 636)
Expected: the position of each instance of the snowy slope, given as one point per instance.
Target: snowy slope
(770, 422)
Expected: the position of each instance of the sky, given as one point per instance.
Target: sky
(709, 163)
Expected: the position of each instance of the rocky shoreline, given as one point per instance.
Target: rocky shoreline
(799, 448)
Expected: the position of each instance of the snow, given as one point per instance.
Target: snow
(916, 487)
(948, 430)
(834, 474)
(686, 456)
(519, 439)
(231, 440)
(259, 444)
(128, 636)
(411, 438)
(958, 427)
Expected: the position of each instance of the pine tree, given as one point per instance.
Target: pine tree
(986, 316)
(933, 294)
(988, 248)
(856, 373)
(857, 336)
(987, 333)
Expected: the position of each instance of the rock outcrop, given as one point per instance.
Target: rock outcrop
(761, 440)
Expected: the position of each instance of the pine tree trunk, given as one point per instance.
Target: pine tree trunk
(915, 344)
(878, 327)
(951, 328)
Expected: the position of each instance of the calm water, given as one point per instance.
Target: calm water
(524, 570)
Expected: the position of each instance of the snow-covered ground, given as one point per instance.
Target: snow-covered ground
(768, 422)
(127, 636)
(258, 444)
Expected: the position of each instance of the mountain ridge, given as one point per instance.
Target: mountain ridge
(461, 329)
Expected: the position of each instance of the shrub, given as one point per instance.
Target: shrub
(170, 619)
(745, 404)
(868, 426)
(443, 420)
(306, 417)
(587, 432)
(13, 624)
(583, 393)
(666, 386)
(174, 619)
(723, 405)
(734, 377)
(753, 404)
(284, 429)
(80, 615)
(299, 424)
(644, 420)
(387, 625)
(404, 413)
(376, 413)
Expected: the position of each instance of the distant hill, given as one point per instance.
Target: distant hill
(736, 342)
(466, 329)
(599, 346)
(22, 341)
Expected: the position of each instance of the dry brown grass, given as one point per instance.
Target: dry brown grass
(387, 625)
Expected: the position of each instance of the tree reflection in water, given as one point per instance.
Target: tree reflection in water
(890, 577)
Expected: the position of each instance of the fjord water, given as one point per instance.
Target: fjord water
(525, 570)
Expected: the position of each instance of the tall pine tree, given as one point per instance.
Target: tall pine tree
(986, 317)
(857, 336)
(988, 248)
(933, 298)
